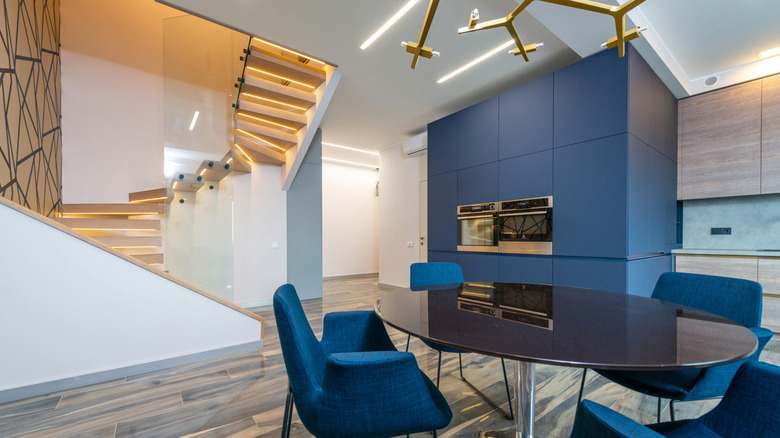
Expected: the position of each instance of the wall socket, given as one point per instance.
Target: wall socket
(720, 230)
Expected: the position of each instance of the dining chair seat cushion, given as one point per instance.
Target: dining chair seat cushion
(358, 330)
(665, 384)
(683, 429)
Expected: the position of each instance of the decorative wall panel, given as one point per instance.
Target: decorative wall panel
(30, 134)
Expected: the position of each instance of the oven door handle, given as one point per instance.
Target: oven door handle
(460, 218)
(530, 213)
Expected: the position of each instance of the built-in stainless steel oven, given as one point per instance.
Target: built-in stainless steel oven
(525, 226)
(478, 227)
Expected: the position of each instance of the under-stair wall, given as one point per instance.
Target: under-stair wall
(73, 313)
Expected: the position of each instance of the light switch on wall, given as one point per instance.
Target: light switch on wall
(274, 244)
(410, 244)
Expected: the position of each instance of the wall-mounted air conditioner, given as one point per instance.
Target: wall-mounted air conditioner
(417, 145)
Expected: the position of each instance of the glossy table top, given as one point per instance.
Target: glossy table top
(567, 326)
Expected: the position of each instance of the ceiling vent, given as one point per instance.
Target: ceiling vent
(417, 145)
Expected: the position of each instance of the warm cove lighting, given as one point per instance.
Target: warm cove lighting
(389, 23)
(352, 163)
(769, 53)
(242, 151)
(194, 120)
(260, 139)
(288, 50)
(274, 101)
(280, 77)
(477, 61)
(351, 149)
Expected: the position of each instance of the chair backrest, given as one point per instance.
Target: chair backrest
(303, 356)
(422, 275)
(736, 299)
(751, 404)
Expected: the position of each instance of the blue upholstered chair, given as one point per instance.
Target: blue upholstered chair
(353, 383)
(750, 408)
(431, 276)
(735, 299)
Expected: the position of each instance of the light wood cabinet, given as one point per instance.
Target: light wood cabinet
(770, 134)
(764, 270)
(720, 143)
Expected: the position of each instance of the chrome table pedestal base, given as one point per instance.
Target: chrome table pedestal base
(525, 390)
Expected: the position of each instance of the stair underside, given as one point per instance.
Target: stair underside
(251, 95)
(112, 209)
(260, 154)
(79, 224)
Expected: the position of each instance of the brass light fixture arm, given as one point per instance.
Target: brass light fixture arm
(418, 49)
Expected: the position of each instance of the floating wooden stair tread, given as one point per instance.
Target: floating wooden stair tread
(130, 241)
(187, 182)
(214, 170)
(260, 154)
(307, 68)
(251, 95)
(110, 224)
(112, 209)
(264, 140)
(267, 84)
(149, 259)
(158, 196)
(237, 160)
(283, 74)
(272, 118)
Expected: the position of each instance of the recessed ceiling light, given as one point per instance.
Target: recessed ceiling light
(351, 149)
(352, 163)
(389, 23)
(710, 81)
(194, 119)
(477, 61)
(769, 53)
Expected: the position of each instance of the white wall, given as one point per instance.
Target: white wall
(112, 98)
(399, 214)
(71, 309)
(350, 214)
(260, 223)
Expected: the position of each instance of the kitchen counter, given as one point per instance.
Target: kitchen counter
(728, 252)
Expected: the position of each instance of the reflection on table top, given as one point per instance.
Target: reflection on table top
(567, 326)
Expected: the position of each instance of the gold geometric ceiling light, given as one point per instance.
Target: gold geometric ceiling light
(618, 13)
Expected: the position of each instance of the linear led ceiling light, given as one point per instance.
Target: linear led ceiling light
(769, 53)
(288, 50)
(351, 149)
(389, 23)
(194, 120)
(242, 151)
(267, 121)
(261, 139)
(352, 163)
(618, 13)
(274, 101)
(280, 77)
(477, 61)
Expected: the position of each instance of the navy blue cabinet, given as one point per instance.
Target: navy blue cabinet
(525, 269)
(642, 274)
(478, 134)
(442, 212)
(525, 118)
(604, 274)
(439, 256)
(589, 198)
(478, 267)
(591, 99)
(478, 184)
(527, 176)
(443, 145)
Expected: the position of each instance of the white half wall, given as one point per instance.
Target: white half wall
(259, 235)
(112, 98)
(350, 220)
(70, 309)
(399, 214)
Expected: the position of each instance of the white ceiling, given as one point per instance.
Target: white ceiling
(381, 101)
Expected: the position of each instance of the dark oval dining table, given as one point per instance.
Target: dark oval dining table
(567, 326)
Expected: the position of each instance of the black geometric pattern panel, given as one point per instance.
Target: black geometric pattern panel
(30, 135)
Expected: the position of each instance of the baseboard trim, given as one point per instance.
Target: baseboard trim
(351, 276)
(253, 304)
(386, 286)
(14, 394)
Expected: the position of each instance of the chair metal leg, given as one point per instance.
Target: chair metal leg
(287, 421)
(460, 365)
(507, 415)
(658, 416)
(435, 434)
(582, 389)
(438, 371)
(408, 340)
(671, 409)
(508, 395)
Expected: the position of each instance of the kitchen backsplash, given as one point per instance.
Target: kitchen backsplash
(754, 222)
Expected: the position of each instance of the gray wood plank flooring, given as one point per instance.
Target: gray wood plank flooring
(243, 395)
